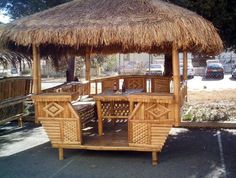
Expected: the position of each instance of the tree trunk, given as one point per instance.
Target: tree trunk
(70, 72)
(168, 65)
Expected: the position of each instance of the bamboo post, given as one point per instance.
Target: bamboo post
(61, 153)
(36, 70)
(35, 77)
(87, 65)
(99, 111)
(39, 70)
(176, 78)
(154, 158)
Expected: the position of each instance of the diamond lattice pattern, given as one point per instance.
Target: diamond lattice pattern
(53, 109)
(157, 110)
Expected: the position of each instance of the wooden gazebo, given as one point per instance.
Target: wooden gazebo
(107, 26)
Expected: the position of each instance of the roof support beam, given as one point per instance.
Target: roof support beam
(176, 78)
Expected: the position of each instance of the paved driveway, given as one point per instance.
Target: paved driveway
(200, 83)
(187, 153)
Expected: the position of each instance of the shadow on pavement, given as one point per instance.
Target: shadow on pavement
(232, 79)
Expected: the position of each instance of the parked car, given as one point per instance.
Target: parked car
(234, 74)
(14, 72)
(214, 70)
(155, 69)
(190, 71)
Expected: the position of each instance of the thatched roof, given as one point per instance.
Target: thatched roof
(111, 26)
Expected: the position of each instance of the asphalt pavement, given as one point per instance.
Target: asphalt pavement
(201, 83)
(26, 152)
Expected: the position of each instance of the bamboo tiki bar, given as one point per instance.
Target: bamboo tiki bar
(76, 117)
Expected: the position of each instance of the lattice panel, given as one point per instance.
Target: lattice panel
(53, 109)
(70, 131)
(121, 109)
(106, 109)
(135, 83)
(115, 109)
(139, 133)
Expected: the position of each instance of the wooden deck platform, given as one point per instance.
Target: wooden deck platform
(115, 134)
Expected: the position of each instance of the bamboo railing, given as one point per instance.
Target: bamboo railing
(15, 87)
(13, 92)
(149, 84)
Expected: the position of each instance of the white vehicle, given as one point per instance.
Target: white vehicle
(155, 69)
(209, 61)
(190, 70)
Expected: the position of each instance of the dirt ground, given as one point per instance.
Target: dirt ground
(210, 106)
(211, 96)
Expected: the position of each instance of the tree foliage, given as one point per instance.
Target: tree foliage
(19, 8)
(222, 13)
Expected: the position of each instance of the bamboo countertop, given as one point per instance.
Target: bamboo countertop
(109, 95)
(135, 95)
(65, 96)
(148, 97)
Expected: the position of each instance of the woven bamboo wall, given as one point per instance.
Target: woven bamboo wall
(150, 121)
(59, 119)
(161, 85)
(14, 87)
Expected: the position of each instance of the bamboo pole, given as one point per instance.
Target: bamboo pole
(176, 78)
(35, 70)
(154, 158)
(99, 111)
(39, 70)
(87, 65)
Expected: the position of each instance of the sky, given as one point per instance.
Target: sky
(4, 18)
